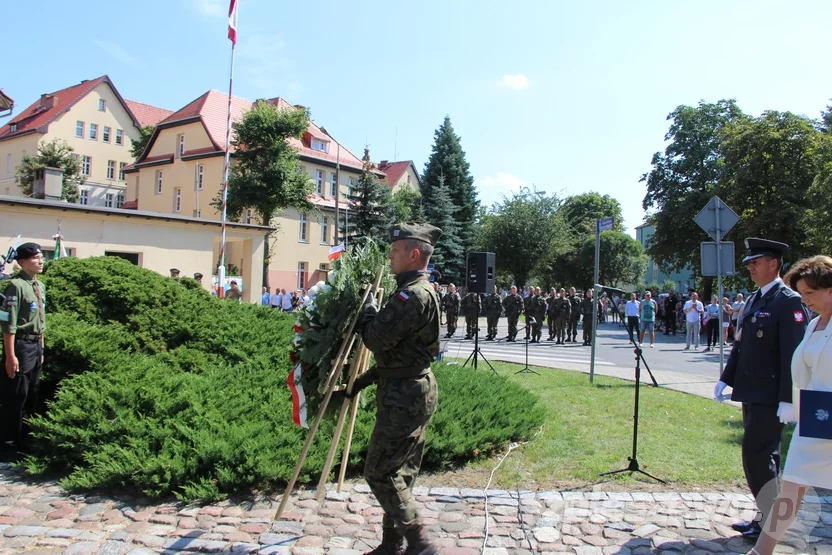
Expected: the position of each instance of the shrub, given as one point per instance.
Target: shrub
(186, 394)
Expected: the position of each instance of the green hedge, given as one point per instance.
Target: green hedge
(166, 390)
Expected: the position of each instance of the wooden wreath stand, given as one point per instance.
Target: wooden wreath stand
(360, 361)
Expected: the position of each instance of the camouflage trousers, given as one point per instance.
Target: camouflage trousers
(492, 320)
(451, 318)
(512, 325)
(560, 328)
(572, 329)
(471, 324)
(394, 456)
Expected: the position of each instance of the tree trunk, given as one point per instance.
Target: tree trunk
(266, 260)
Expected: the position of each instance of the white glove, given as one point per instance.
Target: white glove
(718, 389)
(785, 412)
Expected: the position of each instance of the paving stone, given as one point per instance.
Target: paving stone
(668, 544)
(646, 530)
(277, 539)
(113, 548)
(550, 495)
(546, 534)
(705, 545)
(245, 547)
(149, 541)
(15, 531)
(285, 527)
(697, 525)
(588, 550)
(93, 509)
(81, 548)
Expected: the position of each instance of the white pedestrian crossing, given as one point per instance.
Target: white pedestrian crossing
(546, 352)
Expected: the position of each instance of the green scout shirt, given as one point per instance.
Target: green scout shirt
(23, 305)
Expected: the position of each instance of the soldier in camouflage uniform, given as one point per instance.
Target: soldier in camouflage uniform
(471, 307)
(550, 313)
(513, 305)
(493, 308)
(563, 309)
(586, 311)
(528, 310)
(574, 316)
(404, 338)
(539, 313)
(451, 303)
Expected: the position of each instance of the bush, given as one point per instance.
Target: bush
(186, 394)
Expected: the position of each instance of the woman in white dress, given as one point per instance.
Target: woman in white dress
(809, 461)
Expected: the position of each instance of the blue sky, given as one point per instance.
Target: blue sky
(568, 96)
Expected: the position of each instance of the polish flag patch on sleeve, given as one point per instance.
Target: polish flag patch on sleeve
(798, 316)
(402, 296)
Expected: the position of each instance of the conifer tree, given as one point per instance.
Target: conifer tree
(449, 255)
(369, 201)
(447, 165)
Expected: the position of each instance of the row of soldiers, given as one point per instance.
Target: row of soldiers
(561, 311)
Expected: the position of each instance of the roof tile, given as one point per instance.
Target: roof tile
(147, 114)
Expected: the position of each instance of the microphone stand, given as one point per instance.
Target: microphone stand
(527, 369)
(477, 352)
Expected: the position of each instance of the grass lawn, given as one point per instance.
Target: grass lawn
(684, 439)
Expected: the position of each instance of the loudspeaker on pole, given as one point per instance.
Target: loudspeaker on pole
(479, 272)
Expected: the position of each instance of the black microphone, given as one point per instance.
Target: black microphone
(607, 288)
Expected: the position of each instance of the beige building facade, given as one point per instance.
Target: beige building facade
(95, 121)
(181, 172)
(154, 241)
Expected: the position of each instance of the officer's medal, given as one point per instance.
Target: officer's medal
(760, 334)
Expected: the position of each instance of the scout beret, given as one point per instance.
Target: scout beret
(420, 232)
(27, 250)
(197, 276)
(756, 247)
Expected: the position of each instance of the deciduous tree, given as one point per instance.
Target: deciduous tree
(53, 154)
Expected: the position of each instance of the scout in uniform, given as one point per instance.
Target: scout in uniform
(198, 278)
(25, 299)
(404, 338)
(174, 273)
(771, 326)
(493, 308)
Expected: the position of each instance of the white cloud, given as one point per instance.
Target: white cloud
(493, 188)
(211, 8)
(517, 82)
(116, 51)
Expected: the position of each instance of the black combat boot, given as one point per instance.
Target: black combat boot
(392, 543)
(418, 542)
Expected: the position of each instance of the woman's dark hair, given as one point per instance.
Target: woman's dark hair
(816, 271)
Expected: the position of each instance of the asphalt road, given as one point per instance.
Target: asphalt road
(613, 349)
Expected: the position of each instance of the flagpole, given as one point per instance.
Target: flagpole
(337, 193)
(221, 268)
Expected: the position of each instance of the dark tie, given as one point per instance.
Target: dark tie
(36, 285)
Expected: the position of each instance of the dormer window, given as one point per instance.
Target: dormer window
(13, 127)
(319, 145)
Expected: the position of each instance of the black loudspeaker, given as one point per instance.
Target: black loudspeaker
(480, 269)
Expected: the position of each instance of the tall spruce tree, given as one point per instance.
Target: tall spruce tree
(369, 205)
(439, 210)
(447, 165)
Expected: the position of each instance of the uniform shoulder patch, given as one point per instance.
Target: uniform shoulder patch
(403, 296)
(798, 316)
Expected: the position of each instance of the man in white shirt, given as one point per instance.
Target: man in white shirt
(286, 303)
(693, 315)
(631, 310)
(275, 299)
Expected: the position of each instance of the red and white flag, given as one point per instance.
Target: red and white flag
(232, 22)
(335, 252)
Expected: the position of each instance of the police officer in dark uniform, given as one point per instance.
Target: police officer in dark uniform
(25, 301)
(759, 369)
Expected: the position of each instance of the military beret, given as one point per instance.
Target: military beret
(755, 248)
(174, 271)
(420, 232)
(197, 276)
(27, 250)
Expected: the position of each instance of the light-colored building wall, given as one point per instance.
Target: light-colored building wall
(98, 183)
(654, 274)
(408, 178)
(288, 249)
(159, 243)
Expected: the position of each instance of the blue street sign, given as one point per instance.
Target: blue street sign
(605, 224)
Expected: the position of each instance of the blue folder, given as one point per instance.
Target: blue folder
(816, 414)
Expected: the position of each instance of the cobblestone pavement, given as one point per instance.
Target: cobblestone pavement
(39, 518)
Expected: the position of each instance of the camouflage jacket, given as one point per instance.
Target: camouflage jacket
(575, 301)
(471, 304)
(513, 304)
(451, 302)
(404, 335)
(493, 304)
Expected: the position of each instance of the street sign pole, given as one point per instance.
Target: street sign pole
(595, 298)
(719, 289)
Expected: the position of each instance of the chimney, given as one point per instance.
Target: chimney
(47, 101)
(382, 164)
(49, 183)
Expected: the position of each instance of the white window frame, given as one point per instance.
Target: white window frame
(102, 105)
(105, 134)
(79, 129)
(84, 196)
(180, 145)
(121, 175)
(333, 185)
(249, 215)
(86, 166)
(111, 169)
(119, 137)
(325, 230)
(157, 187)
(119, 200)
(200, 176)
(302, 271)
(93, 131)
(303, 232)
(9, 162)
(197, 213)
(319, 145)
(177, 200)
(13, 127)
(319, 183)
(108, 200)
